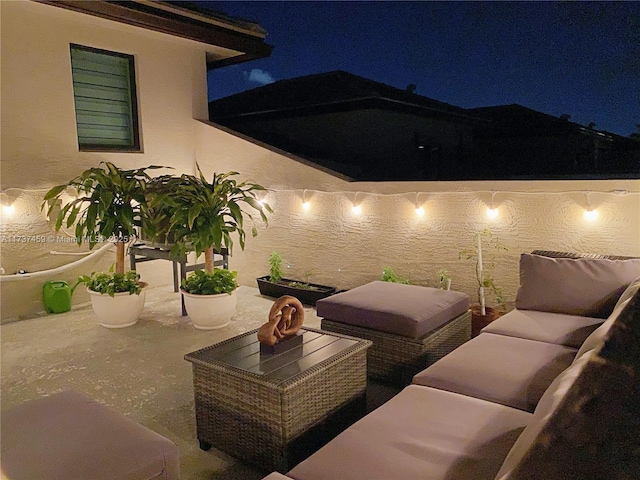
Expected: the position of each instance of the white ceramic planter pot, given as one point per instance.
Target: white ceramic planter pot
(208, 312)
(121, 310)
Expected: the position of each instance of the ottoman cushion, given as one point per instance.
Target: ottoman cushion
(67, 436)
(407, 310)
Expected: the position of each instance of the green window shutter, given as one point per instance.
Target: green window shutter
(105, 99)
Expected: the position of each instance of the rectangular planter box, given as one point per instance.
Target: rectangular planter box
(306, 296)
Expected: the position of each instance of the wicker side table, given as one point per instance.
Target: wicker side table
(266, 409)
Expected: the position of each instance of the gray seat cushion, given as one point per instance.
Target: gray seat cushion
(67, 436)
(558, 328)
(407, 310)
(420, 433)
(506, 370)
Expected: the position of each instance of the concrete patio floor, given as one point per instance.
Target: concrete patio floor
(138, 371)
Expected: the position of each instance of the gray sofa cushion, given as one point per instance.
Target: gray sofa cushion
(558, 328)
(545, 409)
(594, 431)
(408, 310)
(506, 370)
(586, 287)
(597, 338)
(67, 436)
(420, 433)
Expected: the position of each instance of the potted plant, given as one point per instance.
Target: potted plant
(108, 207)
(388, 275)
(274, 285)
(443, 281)
(202, 289)
(202, 216)
(481, 314)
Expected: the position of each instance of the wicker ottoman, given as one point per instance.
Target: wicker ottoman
(67, 436)
(410, 326)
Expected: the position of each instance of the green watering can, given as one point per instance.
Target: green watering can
(56, 295)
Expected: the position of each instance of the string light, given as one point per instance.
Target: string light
(7, 205)
(262, 198)
(357, 209)
(419, 208)
(305, 204)
(590, 214)
(492, 211)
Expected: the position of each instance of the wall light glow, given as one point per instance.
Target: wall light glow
(419, 209)
(306, 206)
(590, 215)
(356, 209)
(7, 205)
(492, 212)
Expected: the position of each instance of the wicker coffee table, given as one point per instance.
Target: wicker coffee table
(273, 410)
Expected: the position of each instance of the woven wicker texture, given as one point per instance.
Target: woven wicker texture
(552, 254)
(396, 359)
(255, 418)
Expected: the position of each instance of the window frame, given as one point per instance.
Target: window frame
(135, 145)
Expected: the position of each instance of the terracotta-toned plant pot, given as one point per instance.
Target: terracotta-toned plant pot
(479, 321)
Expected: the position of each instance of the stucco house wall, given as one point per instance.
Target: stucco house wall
(38, 129)
(39, 142)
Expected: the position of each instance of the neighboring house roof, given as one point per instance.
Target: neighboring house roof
(235, 40)
(329, 92)
(517, 119)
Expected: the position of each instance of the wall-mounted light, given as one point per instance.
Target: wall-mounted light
(492, 211)
(590, 213)
(419, 208)
(7, 205)
(305, 203)
(356, 208)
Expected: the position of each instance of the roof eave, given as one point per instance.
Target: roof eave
(248, 46)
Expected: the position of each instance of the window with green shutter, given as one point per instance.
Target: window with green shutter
(104, 89)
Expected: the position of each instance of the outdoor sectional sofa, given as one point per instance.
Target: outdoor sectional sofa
(550, 390)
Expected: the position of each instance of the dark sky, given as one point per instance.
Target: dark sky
(578, 58)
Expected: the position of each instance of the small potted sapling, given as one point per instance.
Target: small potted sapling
(388, 275)
(275, 285)
(109, 207)
(481, 314)
(202, 216)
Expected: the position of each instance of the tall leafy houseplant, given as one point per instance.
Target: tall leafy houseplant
(202, 217)
(109, 207)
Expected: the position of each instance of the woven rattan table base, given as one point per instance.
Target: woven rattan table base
(275, 424)
(395, 359)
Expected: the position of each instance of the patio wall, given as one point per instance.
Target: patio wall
(347, 250)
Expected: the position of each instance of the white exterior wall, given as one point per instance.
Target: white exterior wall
(39, 141)
(345, 250)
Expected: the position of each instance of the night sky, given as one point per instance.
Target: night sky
(576, 58)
